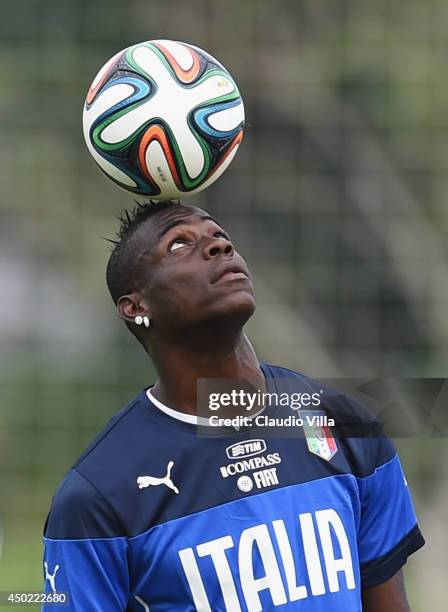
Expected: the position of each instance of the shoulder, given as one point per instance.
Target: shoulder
(79, 510)
(83, 505)
(126, 420)
(331, 397)
(99, 497)
(128, 435)
(359, 431)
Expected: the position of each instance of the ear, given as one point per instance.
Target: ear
(129, 306)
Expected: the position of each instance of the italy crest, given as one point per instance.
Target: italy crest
(318, 434)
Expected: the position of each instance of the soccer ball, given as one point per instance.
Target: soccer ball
(163, 119)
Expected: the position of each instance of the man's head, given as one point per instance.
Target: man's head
(175, 264)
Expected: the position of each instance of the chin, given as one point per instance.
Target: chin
(238, 306)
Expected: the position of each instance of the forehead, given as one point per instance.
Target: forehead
(161, 223)
(157, 226)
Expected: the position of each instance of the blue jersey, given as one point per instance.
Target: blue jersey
(153, 517)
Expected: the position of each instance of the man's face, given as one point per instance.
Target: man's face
(194, 275)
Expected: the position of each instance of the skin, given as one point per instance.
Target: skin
(387, 597)
(197, 324)
(197, 319)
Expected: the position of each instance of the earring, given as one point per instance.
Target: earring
(145, 320)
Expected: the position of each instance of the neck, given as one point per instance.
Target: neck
(212, 355)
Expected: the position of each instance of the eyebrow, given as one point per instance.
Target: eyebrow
(182, 221)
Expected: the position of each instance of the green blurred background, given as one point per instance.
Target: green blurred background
(337, 199)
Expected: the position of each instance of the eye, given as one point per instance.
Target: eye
(221, 234)
(177, 244)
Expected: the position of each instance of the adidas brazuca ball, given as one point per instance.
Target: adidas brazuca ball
(163, 119)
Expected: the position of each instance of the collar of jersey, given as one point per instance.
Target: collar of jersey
(176, 414)
(190, 420)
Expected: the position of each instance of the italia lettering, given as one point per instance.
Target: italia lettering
(259, 557)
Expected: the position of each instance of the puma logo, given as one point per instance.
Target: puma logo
(148, 481)
(51, 577)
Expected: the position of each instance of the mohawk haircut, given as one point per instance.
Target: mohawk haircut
(121, 272)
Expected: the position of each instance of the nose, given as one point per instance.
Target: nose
(217, 246)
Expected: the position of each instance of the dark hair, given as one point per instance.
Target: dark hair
(121, 272)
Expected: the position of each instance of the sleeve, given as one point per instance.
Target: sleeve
(82, 557)
(388, 531)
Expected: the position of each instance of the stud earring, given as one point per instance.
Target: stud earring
(138, 320)
(146, 321)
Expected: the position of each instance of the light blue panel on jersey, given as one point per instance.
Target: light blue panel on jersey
(387, 513)
(305, 552)
(90, 571)
(224, 559)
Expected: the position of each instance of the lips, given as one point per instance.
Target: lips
(229, 272)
